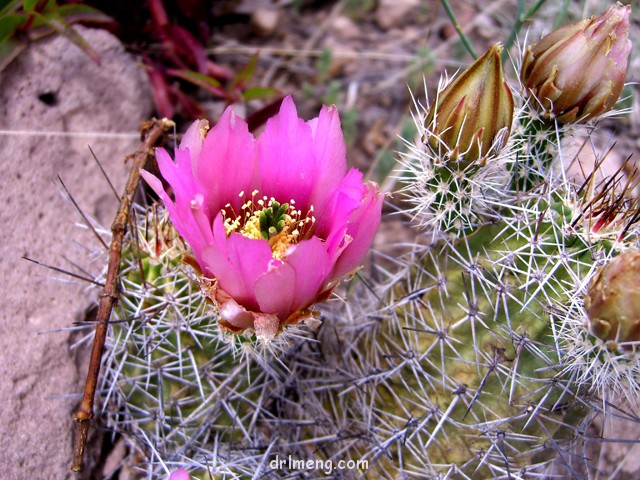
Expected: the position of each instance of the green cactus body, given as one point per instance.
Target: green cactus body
(166, 359)
(489, 371)
(470, 360)
(471, 370)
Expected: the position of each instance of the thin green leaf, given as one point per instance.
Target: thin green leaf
(454, 21)
(323, 64)
(74, 13)
(9, 24)
(561, 14)
(60, 25)
(534, 8)
(200, 80)
(517, 24)
(7, 6)
(9, 50)
(521, 18)
(259, 93)
(29, 5)
(245, 73)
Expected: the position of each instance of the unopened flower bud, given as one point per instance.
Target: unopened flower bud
(577, 71)
(613, 299)
(471, 118)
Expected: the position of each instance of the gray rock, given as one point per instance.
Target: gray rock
(55, 87)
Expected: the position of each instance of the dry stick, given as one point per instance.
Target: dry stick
(152, 132)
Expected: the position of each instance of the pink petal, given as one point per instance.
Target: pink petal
(275, 290)
(362, 227)
(236, 262)
(187, 216)
(156, 185)
(294, 284)
(232, 313)
(227, 164)
(312, 265)
(330, 153)
(332, 218)
(198, 232)
(193, 140)
(177, 174)
(286, 157)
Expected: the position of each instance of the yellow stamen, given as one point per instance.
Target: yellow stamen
(281, 225)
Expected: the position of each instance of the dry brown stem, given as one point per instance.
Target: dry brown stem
(152, 132)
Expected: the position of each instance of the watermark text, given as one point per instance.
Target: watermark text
(327, 466)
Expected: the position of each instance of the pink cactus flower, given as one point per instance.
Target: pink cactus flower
(179, 474)
(273, 222)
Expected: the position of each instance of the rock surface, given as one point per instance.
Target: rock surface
(55, 87)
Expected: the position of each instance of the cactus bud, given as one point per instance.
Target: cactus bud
(472, 116)
(613, 300)
(577, 71)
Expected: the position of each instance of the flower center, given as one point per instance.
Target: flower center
(281, 224)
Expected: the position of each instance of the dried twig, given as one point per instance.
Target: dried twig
(152, 132)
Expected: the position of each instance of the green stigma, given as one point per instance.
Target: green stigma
(273, 219)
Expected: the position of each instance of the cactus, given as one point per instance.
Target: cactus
(174, 380)
(479, 335)
(470, 356)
